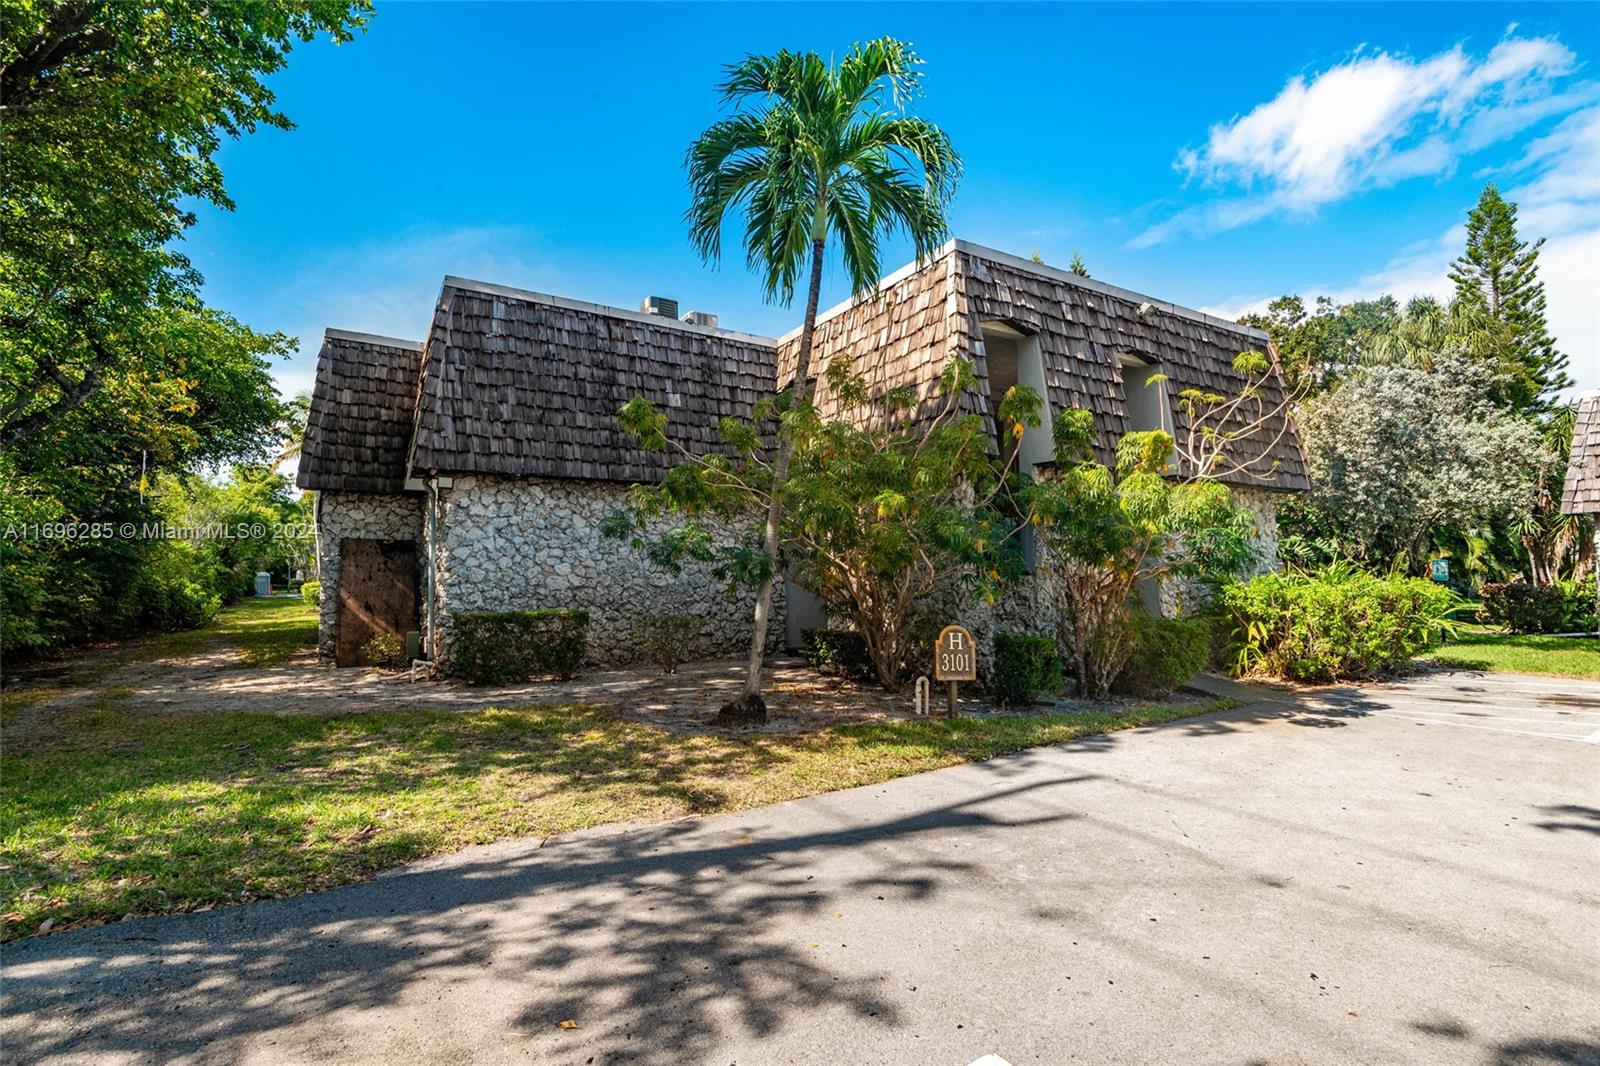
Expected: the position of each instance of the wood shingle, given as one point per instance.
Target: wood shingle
(904, 334)
(1581, 492)
(360, 423)
(522, 384)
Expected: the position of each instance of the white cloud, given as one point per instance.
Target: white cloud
(1556, 186)
(1374, 120)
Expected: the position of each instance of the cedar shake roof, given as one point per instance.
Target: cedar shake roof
(1581, 493)
(360, 423)
(925, 314)
(523, 384)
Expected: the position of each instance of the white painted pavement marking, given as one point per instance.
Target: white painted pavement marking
(1419, 720)
(1482, 717)
(1592, 738)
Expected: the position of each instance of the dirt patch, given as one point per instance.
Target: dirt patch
(214, 681)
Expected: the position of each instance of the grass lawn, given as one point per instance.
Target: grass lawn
(262, 632)
(265, 632)
(109, 810)
(1484, 648)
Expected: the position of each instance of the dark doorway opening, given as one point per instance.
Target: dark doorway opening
(377, 593)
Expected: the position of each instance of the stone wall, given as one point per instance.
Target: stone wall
(530, 543)
(353, 514)
(1181, 596)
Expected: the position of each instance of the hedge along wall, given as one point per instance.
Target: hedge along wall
(357, 514)
(519, 544)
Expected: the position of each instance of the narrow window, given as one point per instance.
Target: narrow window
(1146, 398)
(1145, 394)
(1013, 358)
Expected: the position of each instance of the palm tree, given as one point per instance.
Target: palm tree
(817, 151)
(291, 428)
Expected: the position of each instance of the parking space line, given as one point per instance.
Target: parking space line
(1485, 728)
(1451, 715)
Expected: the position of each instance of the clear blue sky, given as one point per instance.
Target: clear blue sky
(1212, 155)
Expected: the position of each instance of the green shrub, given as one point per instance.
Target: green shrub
(1519, 607)
(311, 592)
(838, 651)
(664, 637)
(1166, 652)
(1335, 623)
(384, 649)
(500, 647)
(1025, 668)
(167, 603)
(1578, 606)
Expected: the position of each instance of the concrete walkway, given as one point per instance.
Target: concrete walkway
(1401, 874)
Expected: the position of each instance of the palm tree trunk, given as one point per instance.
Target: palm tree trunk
(780, 474)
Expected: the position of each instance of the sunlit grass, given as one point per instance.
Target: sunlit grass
(109, 811)
(264, 632)
(1482, 648)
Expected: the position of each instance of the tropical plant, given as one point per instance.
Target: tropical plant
(1105, 530)
(1334, 624)
(1235, 437)
(1553, 540)
(883, 505)
(817, 152)
(891, 502)
(292, 428)
(1316, 348)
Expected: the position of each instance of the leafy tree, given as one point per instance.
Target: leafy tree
(1397, 453)
(112, 369)
(113, 112)
(1317, 347)
(1498, 274)
(888, 506)
(1104, 530)
(816, 152)
(1235, 436)
(885, 504)
(1077, 267)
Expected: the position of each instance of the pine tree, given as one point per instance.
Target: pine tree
(1499, 276)
(1077, 267)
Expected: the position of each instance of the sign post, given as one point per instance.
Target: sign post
(955, 659)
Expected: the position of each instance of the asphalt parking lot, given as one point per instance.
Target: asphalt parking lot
(1406, 873)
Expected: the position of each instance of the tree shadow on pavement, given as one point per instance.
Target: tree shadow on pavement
(1574, 817)
(672, 924)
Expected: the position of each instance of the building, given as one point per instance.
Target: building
(471, 470)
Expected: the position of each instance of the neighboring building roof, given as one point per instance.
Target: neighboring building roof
(1581, 493)
(924, 314)
(524, 384)
(360, 424)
